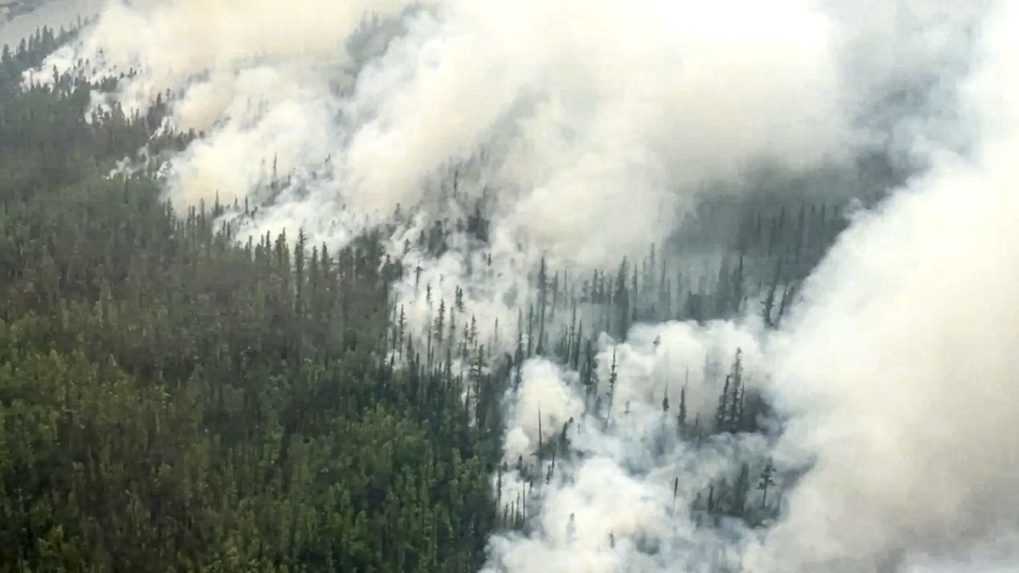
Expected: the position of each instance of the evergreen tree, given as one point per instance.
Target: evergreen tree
(766, 480)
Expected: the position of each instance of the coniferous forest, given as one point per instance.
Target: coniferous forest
(173, 397)
(224, 348)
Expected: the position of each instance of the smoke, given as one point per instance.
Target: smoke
(906, 59)
(899, 370)
(622, 494)
(894, 381)
(586, 128)
(597, 117)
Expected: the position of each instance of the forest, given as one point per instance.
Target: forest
(171, 398)
(268, 307)
(175, 398)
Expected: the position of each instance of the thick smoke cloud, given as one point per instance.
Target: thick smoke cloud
(625, 497)
(899, 371)
(905, 59)
(895, 377)
(589, 124)
(595, 115)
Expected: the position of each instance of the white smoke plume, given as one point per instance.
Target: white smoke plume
(899, 372)
(598, 115)
(587, 127)
(623, 499)
(895, 378)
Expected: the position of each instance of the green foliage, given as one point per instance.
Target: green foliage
(173, 400)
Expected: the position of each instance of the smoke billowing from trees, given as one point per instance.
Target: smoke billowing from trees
(608, 112)
(869, 430)
(896, 369)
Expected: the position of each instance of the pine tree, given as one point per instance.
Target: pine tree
(681, 418)
(613, 377)
(768, 305)
(741, 489)
(621, 300)
(542, 302)
(722, 411)
(439, 330)
(766, 480)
